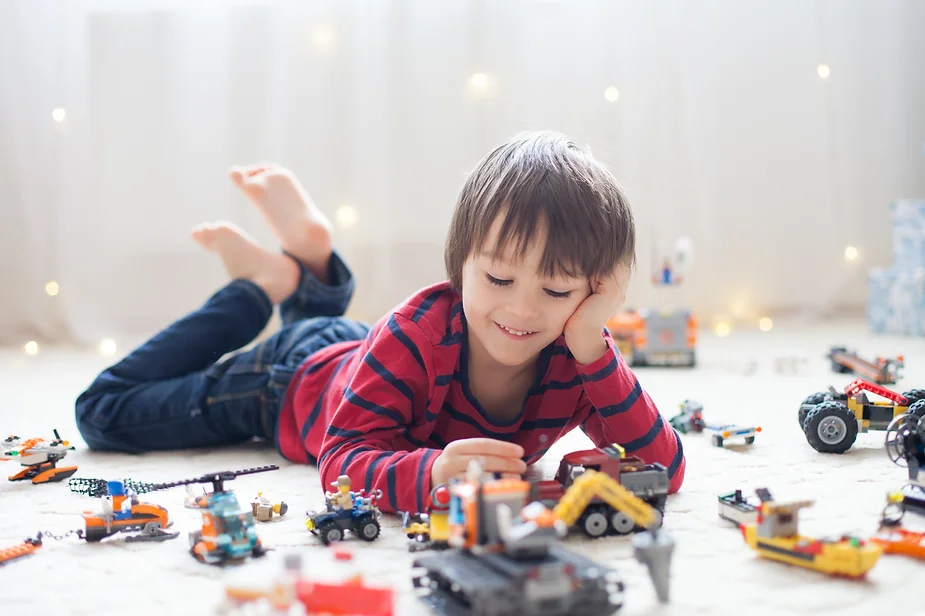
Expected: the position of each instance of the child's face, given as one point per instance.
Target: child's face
(513, 294)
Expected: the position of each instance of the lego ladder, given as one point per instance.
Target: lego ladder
(859, 385)
(18, 551)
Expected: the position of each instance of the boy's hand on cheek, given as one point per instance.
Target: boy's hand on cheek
(583, 329)
(494, 456)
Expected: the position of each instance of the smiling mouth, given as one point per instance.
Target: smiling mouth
(515, 332)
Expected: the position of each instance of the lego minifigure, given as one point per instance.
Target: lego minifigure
(343, 498)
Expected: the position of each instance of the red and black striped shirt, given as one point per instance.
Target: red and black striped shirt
(381, 410)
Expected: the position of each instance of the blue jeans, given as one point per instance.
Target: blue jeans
(175, 391)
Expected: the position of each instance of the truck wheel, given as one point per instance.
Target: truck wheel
(330, 533)
(811, 400)
(594, 522)
(914, 395)
(749, 440)
(368, 529)
(717, 440)
(831, 427)
(917, 408)
(621, 523)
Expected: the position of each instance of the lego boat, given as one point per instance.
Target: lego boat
(775, 536)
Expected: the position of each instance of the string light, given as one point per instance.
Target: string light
(611, 94)
(58, 115)
(765, 324)
(478, 83)
(323, 37)
(851, 253)
(722, 329)
(51, 288)
(31, 347)
(823, 71)
(108, 347)
(346, 216)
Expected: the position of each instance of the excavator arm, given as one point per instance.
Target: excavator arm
(592, 484)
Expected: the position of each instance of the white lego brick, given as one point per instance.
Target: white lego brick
(896, 301)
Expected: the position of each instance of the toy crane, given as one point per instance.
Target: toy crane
(228, 532)
(39, 457)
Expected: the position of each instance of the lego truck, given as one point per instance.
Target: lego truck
(648, 482)
(655, 338)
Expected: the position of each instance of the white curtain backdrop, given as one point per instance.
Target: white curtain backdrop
(722, 131)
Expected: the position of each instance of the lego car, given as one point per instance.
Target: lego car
(720, 434)
(690, 419)
(329, 526)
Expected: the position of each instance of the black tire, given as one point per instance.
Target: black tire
(914, 395)
(749, 440)
(329, 532)
(367, 529)
(917, 408)
(810, 402)
(831, 427)
(717, 440)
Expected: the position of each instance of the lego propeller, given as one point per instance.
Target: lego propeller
(900, 435)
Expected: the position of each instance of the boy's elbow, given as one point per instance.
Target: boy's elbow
(675, 480)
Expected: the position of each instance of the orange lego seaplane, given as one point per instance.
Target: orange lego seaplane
(39, 457)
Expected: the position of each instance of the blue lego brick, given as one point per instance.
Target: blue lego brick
(908, 233)
(896, 301)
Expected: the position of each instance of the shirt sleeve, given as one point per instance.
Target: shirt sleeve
(390, 387)
(620, 411)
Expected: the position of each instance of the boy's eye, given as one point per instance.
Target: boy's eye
(498, 281)
(558, 294)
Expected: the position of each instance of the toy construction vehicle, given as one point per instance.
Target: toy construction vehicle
(431, 529)
(655, 338)
(775, 536)
(39, 457)
(738, 509)
(831, 420)
(505, 558)
(122, 512)
(690, 419)
(315, 595)
(882, 371)
(228, 532)
(263, 509)
(646, 481)
(346, 510)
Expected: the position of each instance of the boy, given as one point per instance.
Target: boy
(495, 364)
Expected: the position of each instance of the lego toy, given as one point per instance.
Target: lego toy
(122, 512)
(690, 419)
(100, 487)
(720, 434)
(346, 510)
(882, 371)
(431, 529)
(649, 337)
(39, 457)
(290, 588)
(901, 541)
(228, 533)
(775, 536)
(28, 546)
(738, 509)
(832, 420)
(647, 481)
(263, 509)
(905, 446)
(505, 558)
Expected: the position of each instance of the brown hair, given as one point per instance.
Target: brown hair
(543, 181)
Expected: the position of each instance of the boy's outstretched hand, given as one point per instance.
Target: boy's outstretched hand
(495, 457)
(583, 329)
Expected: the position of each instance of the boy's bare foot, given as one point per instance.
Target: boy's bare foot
(302, 229)
(243, 257)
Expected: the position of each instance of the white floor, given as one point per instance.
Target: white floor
(713, 571)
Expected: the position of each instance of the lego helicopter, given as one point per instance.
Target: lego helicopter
(39, 457)
(228, 532)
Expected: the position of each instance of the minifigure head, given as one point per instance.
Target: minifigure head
(536, 220)
(342, 484)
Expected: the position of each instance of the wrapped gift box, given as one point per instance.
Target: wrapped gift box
(908, 233)
(896, 301)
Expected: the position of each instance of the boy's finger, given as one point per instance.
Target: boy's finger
(494, 464)
(487, 446)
